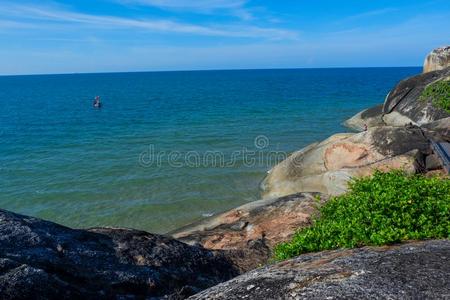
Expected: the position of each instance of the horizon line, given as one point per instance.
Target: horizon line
(200, 70)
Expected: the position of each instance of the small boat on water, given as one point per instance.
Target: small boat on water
(97, 103)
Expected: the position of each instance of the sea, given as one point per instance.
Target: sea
(166, 148)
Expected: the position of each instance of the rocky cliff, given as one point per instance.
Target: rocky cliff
(438, 59)
(404, 104)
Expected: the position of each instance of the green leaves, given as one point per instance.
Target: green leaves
(439, 93)
(382, 209)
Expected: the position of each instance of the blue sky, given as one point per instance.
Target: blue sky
(144, 35)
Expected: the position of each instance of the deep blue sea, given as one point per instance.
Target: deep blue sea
(166, 148)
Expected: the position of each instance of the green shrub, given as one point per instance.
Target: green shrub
(439, 93)
(382, 209)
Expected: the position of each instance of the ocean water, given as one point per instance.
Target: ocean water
(166, 148)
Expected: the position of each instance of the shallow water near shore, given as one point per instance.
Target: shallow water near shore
(166, 148)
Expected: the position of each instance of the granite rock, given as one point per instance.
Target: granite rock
(327, 167)
(254, 228)
(414, 270)
(438, 59)
(44, 260)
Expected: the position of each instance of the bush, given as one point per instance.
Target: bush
(439, 93)
(382, 209)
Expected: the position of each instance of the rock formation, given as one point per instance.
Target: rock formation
(327, 167)
(403, 105)
(438, 59)
(255, 227)
(370, 117)
(45, 260)
(438, 130)
(415, 270)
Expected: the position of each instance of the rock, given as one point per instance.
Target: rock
(327, 167)
(48, 261)
(255, 227)
(414, 270)
(432, 162)
(403, 104)
(370, 117)
(438, 130)
(438, 59)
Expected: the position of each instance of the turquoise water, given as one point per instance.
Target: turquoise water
(65, 161)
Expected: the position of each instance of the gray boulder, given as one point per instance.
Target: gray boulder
(438, 130)
(404, 105)
(43, 260)
(415, 270)
(370, 117)
(438, 59)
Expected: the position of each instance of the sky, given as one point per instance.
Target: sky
(63, 36)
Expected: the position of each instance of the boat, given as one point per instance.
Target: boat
(97, 103)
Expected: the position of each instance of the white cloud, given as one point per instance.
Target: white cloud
(369, 14)
(200, 5)
(25, 14)
(6, 24)
(229, 7)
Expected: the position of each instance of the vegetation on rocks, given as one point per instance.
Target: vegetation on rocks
(383, 209)
(439, 93)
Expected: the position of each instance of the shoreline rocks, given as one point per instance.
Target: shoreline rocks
(370, 117)
(254, 228)
(327, 167)
(43, 259)
(403, 105)
(418, 270)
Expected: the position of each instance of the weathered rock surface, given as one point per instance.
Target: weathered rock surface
(415, 270)
(403, 105)
(327, 167)
(371, 117)
(43, 260)
(256, 227)
(438, 130)
(438, 59)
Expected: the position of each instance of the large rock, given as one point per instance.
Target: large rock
(438, 130)
(255, 227)
(371, 117)
(404, 105)
(43, 260)
(327, 167)
(416, 270)
(438, 59)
